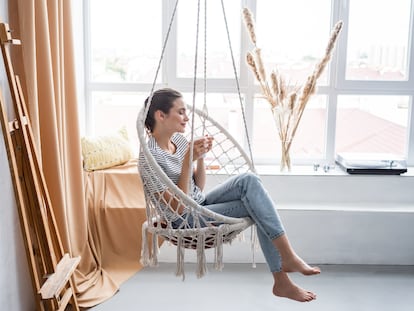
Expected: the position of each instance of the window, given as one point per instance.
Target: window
(225, 109)
(372, 124)
(309, 141)
(121, 48)
(364, 98)
(218, 57)
(291, 38)
(114, 110)
(378, 40)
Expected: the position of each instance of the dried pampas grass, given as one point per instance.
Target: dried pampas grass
(287, 103)
(249, 22)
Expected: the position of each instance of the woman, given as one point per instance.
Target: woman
(239, 196)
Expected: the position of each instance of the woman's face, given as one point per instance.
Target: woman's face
(176, 119)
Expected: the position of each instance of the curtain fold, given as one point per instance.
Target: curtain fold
(48, 74)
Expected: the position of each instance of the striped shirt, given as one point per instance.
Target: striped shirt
(171, 164)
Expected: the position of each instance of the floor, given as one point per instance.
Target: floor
(243, 288)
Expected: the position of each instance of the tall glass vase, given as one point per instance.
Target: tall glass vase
(282, 121)
(285, 163)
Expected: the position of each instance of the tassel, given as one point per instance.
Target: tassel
(180, 258)
(253, 244)
(155, 250)
(145, 256)
(241, 237)
(219, 251)
(201, 256)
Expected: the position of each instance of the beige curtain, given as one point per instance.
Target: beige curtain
(47, 71)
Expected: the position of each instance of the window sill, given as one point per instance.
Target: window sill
(308, 170)
(395, 207)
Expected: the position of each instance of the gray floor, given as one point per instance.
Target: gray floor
(242, 288)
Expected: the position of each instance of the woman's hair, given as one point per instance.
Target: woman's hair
(162, 99)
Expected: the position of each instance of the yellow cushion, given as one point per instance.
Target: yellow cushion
(106, 151)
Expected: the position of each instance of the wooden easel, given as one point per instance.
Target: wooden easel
(51, 270)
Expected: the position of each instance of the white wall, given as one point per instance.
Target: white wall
(336, 218)
(15, 285)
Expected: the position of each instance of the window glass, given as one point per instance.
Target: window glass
(372, 124)
(309, 140)
(219, 63)
(114, 110)
(223, 108)
(378, 40)
(125, 40)
(292, 38)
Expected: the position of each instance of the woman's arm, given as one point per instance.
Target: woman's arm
(200, 147)
(185, 176)
(169, 197)
(200, 170)
(200, 174)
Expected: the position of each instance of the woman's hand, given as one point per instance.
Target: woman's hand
(202, 146)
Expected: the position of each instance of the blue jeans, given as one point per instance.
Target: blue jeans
(244, 196)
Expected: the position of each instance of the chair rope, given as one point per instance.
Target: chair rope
(205, 110)
(164, 45)
(190, 163)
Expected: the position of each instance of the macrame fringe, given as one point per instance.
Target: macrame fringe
(150, 257)
(254, 243)
(218, 258)
(180, 258)
(201, 255)
(241, 237)
(145, 256)
(155, 250)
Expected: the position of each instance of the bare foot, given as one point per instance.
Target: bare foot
(296, 264)
(284, 287)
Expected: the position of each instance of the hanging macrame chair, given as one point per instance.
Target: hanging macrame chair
(206, 229)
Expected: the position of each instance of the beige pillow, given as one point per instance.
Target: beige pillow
(106, 151)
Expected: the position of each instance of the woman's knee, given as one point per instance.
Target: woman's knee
(250, 178)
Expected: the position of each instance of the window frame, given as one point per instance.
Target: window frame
(337, 84)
